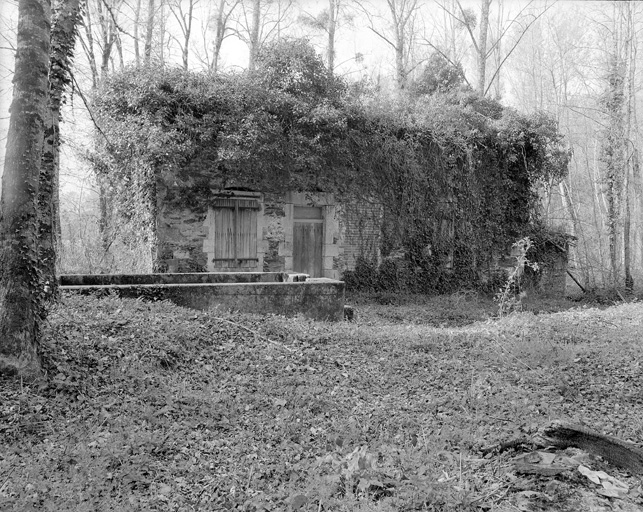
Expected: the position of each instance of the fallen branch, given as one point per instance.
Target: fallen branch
(514, 444)
(615, 451)
(576, 281)
(255, 333)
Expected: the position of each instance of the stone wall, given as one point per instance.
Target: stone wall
(185, 240)
(181, 234)
(553, 282)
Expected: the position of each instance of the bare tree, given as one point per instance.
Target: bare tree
(521, 23)
(22, 300)
(217, 24)
(451, 41)
(100, 36)
(617, 148)
(400, 33)
(328, 21)
(261, 21)
(184, 19)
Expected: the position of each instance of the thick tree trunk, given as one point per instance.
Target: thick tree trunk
(63, 36)
(21, 295)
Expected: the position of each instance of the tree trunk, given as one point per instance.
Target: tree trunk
(188, 33)
(399, 18)
(137, 20)
(497, 51)
(629, 105)
(219, 32)
(333, 6)
(613, 154)
(612, 227)
(63, 36)
(22, 304)
(88, 47)
(627, 224)
(108, 29)
(482, 46)
(106, 26)
(254, 34)
(576, 226)
(103, 218)
(151, 8)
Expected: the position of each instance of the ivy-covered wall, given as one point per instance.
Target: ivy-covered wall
(456, 175)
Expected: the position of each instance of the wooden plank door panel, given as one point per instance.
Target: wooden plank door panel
(307, 248)
(223, 234)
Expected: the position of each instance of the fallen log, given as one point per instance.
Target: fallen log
(615, 451)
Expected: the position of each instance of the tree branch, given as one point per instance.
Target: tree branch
(513, 48)
(511, 23)
(111, 15)
(89, 110)
(383, 37)
(473, 37)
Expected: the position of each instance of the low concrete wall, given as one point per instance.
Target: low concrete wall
(180, 278)
(320, 299)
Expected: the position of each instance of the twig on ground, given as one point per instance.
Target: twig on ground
(508, 445)
(255, 333)
(6, 481)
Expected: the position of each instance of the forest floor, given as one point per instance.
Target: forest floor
(148, 406)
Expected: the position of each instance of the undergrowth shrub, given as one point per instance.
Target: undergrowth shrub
(364, 277)
(403, 276)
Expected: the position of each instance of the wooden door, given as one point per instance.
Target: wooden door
(308, 237)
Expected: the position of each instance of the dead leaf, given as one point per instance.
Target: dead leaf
(591, 475)
(298, 501)
(612, 493)
(533, 458)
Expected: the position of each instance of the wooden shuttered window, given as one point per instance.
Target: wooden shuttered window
(235, 232)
